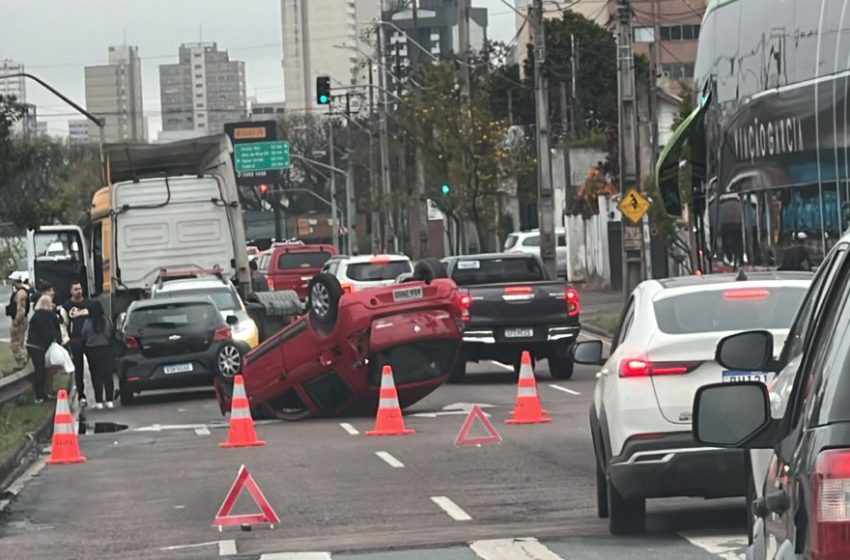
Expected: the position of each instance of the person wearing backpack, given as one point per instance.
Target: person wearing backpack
(18, 310)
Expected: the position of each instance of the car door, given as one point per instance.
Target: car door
(605, 381)
(786, 483)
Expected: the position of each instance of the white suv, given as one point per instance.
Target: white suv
(529, 242)
(367, 271)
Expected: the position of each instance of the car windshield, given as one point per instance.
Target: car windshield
(173, 315)
(496, 271)
(511, 241)
(729, 309)
(224, 298)
(312, 259)
(376, 272)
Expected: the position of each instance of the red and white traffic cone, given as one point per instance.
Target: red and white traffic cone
(389, 421)
(242, 432)
(528, 409)
(66, 445)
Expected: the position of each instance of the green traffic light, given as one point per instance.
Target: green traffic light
(446, 189)
(323, 99)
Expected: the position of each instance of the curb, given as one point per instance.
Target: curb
(21, 458)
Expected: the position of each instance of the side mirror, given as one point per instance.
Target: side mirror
(588, 353)
(232, 320)
(746, 351)
(730, 414)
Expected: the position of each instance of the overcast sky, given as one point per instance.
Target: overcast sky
(55, 39)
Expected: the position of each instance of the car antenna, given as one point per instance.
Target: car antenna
(741, 275)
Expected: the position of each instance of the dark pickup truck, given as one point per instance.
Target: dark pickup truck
(513, 306)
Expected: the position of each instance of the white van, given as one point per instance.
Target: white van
(529, 242)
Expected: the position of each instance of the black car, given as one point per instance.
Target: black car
(804, 511)
(178, 342)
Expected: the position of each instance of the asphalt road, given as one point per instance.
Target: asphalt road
(152, 490)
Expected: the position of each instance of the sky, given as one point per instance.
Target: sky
(55, 39)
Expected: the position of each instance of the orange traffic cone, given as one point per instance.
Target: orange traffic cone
(242, 432)
(66, 446)
(528, 409)
(389, 421)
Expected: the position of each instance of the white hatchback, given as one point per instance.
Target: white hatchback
(529, 242)
(662, 352)
(367, 271)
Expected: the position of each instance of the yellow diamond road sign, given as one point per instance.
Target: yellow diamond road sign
(634, 205)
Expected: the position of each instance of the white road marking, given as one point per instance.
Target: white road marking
(726, 547)
(349, 428)
(501, 365)
(508, 549)
(564, 389)
(389, 459)
(456, 409)
(179, 507)
(227, 548)
(451, 508)
(297, 556)
(202, 431)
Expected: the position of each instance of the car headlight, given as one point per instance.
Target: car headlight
(244, 330)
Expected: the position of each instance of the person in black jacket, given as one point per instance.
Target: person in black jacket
(43, 331)
(98, 340)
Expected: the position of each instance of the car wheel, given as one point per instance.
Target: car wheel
(601, 491)
(458, 373)
(427, 270)
(561, 368)
(625, 517)
(323, 298)
(228, 361)
(127, 396)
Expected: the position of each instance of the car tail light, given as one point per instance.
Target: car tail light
(573, 302)
(830, 531)
(380, 259)
(641, 367)
(517, 290)
(270, 282)
(746, 293)
(131, 342)
(464, 300)
(223, 333)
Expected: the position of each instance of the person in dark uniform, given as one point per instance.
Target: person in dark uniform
(796, 257)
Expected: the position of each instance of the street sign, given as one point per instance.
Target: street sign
(261, 156)
(634, 205)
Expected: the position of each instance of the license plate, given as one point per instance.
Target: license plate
(519, 333)
(177, 368)
(407, 294)
(736, 376)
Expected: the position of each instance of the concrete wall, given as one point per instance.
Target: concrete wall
(588, 246)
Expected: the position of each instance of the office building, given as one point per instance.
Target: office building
(13, 86)
(324, 37)
(114, 94)
(201, 92)
(78, 131)
(266, 111)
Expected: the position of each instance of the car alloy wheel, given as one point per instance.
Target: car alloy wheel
(229, 361)
(320, 299)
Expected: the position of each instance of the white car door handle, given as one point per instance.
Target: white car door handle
(601, 373)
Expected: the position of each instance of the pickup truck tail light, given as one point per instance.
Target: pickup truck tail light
(223, 333)
(270, 282)
(464, 300)
(131, 342)
(641, 367)
(830, 530)
(573, 301)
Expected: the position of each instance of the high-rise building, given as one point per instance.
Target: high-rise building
(268, 111)
(204, 90)
(114, 94)
(322, 38)
(78, 131)
(13, 86)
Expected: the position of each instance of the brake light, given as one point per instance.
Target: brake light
(270, 282)
(464, 300)
(573, 302)
(380, 259)
(746, 293)
(517, 290)
(639, 367)
(131, 342)
(830, 531)
(223, 333)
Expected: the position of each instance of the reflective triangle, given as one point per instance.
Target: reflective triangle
(463, 436)
(245, 480)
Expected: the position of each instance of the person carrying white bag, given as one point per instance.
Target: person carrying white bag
(43, 333)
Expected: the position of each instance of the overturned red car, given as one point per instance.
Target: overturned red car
(328, 362)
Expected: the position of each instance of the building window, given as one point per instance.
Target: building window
(198, 66)
(644, 34)
(678, 70)
(199, 95)
(680, 32)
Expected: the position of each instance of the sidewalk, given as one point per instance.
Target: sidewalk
(600, 310)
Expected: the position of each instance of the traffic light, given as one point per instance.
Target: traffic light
(264, 190)
(446, 189)
(323, 90)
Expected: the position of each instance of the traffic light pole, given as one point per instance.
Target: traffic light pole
(334, 217)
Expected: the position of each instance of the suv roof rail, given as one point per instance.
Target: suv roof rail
(166, 275)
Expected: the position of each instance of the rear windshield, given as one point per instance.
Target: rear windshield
(374, 272)
(733, 309)
(303, 260)
(224, 298)
(497, 271)
(168, 316)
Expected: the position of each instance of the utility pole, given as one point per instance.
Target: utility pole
(466, 92)
(334, 217)
(573, 73)
(350, 199)
(546, 194)
(565, 146)
(390, 242)
(419, 215)
(632, 243)
(373, 175)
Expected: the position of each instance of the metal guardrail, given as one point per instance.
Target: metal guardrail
(15, 385)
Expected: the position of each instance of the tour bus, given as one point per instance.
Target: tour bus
(768, 138)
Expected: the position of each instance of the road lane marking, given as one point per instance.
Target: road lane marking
(226, 548)
(389, 459)
(501, 365)
(564, 389)
(296, 556)
(726, 547)
(451, 508)
(202, 431)
(508, 549)
(349, 428)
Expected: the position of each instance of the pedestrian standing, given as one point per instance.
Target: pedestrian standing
(18, 310)
(98, 341)
(77, 309)
(43, 331)
(258, 279)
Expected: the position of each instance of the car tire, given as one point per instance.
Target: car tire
(458, 373)
(323, 297)
(625, 517)
(228, 361)
(427, 270)
(561, 368)
(127, 395)
(601, 491)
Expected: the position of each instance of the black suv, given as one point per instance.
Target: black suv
(178, 342)
(804, 511)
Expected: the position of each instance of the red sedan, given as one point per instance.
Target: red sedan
(328, 362)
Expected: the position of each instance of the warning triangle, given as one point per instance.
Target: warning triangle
(245, 480)
(463, 436)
